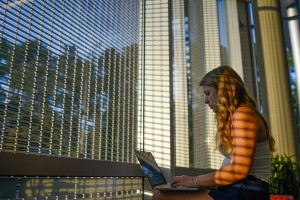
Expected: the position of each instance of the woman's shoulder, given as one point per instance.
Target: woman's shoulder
(250, 115)
(247, 107)
(246, 111)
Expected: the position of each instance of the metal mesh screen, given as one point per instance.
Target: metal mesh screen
(68, 88)
(68, 78)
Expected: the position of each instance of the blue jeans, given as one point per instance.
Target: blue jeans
(250, 188)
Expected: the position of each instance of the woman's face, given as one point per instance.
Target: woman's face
(211, 94)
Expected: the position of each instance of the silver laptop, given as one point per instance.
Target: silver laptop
(154, 174)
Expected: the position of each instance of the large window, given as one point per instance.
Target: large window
(68, 88)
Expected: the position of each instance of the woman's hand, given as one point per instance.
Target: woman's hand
(184, 181)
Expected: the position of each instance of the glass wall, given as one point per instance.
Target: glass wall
(223, 31)
(181, 86)
(68, 88)
(154, 115)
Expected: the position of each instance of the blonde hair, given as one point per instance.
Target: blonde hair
(231, 94)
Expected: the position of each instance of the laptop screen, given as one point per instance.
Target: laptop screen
(150, 168)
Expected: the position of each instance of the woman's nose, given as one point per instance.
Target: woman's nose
(206, 100)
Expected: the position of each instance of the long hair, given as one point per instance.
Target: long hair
(231, 94)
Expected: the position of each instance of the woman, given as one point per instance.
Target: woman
(242, 137)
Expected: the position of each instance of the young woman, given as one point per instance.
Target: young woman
(242, 137)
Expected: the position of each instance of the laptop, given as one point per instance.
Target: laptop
(154, 174)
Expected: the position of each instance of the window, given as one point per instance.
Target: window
(68, 79)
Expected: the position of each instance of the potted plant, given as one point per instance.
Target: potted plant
(285, 176)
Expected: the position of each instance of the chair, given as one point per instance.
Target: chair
(282, 197)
